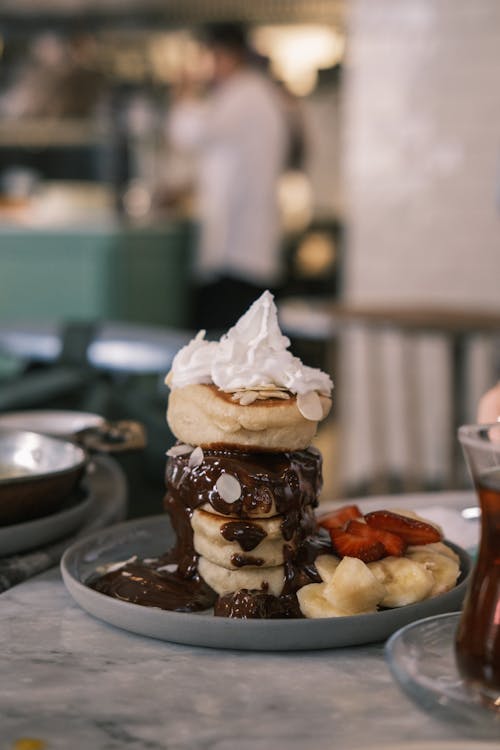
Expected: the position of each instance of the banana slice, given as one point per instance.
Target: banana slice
(406, 581)
(326, 565)
(353, 588)
(438, 547)
(444, 569)
(313, 604)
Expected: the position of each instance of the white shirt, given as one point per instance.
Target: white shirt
(241, 137)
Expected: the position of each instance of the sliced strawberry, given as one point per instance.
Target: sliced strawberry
(411, 530)
(393, 543)
(348, 545)
(339, 517)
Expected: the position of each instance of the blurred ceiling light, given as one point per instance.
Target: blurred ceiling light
(297, 53)
(174, 55)
(316, 255)
(295, 201)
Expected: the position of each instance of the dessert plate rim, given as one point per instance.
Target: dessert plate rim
(152, 533)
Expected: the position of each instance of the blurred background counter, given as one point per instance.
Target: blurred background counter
(108, 270)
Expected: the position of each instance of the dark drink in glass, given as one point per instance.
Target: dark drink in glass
(477, 644)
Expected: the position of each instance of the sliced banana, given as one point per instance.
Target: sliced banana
(353, 588)
(406, 581)
(438, 547)
(326, 565)
(313, 603)
(444, 569)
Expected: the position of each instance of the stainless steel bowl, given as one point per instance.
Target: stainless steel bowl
(37, 473)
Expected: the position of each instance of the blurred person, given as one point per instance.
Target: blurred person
(239, 133)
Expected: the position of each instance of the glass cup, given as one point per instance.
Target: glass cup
(477, 643)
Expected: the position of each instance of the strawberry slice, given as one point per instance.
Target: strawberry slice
(336, 519)
(349, 545)
(393, 543)
(411, 530)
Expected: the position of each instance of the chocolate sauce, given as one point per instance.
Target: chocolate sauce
(256, 605)
(142, 583)
(291, 481)
(248, 535)
(239, 561)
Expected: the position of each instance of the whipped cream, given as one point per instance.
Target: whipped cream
(252, 353)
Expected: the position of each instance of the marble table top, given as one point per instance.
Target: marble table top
(72, 681)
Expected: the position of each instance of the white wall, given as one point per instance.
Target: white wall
(421, 168)
(422, 105)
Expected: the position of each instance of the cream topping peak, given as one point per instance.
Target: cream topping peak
(252, 353)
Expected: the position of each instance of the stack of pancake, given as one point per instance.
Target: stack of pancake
(242, 483)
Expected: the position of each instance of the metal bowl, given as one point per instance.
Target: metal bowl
(37, 473)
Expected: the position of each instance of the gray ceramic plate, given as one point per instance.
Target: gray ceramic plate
(149, 537)
(21, 537)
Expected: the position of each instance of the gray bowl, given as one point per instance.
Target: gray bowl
(37, 473)
(150, 537)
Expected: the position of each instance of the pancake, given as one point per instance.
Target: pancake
(224, 581)
(230, 556)
(223, 529)
(200, 414)
(271, 484)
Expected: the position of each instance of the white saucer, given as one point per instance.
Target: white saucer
(422, 659)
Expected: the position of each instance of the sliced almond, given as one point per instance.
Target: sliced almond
(248, 398)
(309, 405)
(262, 395)
(269, 387)
(196, 458)
(228, 488)
(179, 450)
(170, 568)
(265, 387)
(112, 567)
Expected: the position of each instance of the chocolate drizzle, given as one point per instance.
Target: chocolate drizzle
(291, 480)
(248, 535)
(239, 561)
(142, 583)
(256, 605)
(287, 484)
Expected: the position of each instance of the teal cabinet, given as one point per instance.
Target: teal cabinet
(139, 274)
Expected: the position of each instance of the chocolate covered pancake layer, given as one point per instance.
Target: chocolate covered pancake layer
(285, 482)
(288, 482)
